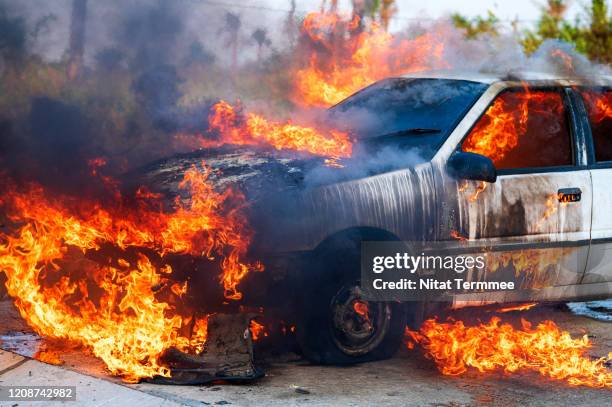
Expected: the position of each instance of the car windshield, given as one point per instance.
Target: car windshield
(415, 114)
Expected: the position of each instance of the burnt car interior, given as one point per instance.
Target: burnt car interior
(597, 102)
(524, 129)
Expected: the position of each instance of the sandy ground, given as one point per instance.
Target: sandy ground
(406, 380)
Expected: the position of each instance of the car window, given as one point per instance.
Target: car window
(599, 109)
(405, 113)
(523, 129)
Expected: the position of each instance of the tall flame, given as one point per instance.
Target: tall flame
(342, 57)
(126, 310)
(345, 57)
(545, 349)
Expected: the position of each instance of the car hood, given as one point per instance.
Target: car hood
(253, 171)
(296, 200)
(258, 172)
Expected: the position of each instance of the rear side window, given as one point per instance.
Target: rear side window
(599, 109)
(523, 129)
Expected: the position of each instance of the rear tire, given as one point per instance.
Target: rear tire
(336, 325)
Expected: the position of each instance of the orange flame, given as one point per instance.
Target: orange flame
(494, 136)
(564, 58)
(457, 236)
(520, 307)
(600, 105)
(361, 308)
(479, 190)
(257, 330)
(499, 131)
(127, 312)
(49, 357)
(545, 349)
(553, 203)
(354, 58)
(256, 130)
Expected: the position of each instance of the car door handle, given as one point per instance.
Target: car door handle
(569, 194)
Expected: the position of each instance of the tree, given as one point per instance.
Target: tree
(387, 10)
(13, 36)
(291, 28)
(76, 46)
(476, 26)
(598, 39)
(232, 28)
(378, 10)
(591, 36)
(260, 36)
(551, 24)
(199, 55)
(359, 10)
(594, 39)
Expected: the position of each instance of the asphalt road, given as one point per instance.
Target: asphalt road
(408, 379)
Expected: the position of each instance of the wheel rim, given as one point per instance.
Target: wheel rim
(358, 326)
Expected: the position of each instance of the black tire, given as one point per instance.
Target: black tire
(326, 331)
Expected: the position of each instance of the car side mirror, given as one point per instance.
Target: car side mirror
(472, 166)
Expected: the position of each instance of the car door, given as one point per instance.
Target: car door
(536, 217)
(598, 120)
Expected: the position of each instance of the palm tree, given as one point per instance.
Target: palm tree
(359, 10)
(387, 10)
(76, 47)
(291, 28)
(260, 36)
(232, 28)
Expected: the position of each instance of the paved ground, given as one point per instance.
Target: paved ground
(406, 380)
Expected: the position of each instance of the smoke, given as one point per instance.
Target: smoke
(363, 163)
(504, 56)
(153, 69)
(561, 58)
(150, 33)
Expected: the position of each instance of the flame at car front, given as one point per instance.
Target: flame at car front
(125, 306)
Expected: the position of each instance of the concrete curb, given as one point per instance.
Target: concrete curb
(17, 370)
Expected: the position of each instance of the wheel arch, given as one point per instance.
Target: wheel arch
(351, 238)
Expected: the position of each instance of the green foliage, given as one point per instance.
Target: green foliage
(598, 39)
(105, 99)
(591, 34)
(477, 26)
(376, 10)
(593, 37)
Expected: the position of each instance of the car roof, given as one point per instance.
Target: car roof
(491, 77)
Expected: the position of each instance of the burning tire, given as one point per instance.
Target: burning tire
(336, 325)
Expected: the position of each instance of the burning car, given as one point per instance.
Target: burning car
(274, 220)
(516, 163)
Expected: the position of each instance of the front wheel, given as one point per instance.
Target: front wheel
(337, 325)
